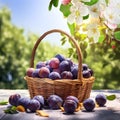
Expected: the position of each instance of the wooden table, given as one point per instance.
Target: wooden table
(110, 112)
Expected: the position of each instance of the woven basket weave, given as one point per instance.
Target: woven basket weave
(79, 87)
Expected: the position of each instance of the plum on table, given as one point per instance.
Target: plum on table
(89, 104)
(100, 99)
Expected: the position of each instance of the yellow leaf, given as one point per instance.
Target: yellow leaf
(42, 113)
(20, 108)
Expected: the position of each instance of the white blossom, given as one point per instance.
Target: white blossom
(78, 10)
(112, 15)
(93, 31)
(114, 3)
(101, 14)
(94, 10)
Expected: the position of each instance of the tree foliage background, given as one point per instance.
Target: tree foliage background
(15, 53)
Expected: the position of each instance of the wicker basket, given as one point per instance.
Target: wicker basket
(79, 87)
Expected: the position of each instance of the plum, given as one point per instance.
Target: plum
(56, 96)
(56, 70)
(33, 105)
(73, 98)
(24, 101)
(44, 72)
(54, 75)
(70, 106)
(89, 104)
(54, 63)
(66, 75)
(40, 100)
(74, 71)
(100, 99)
(74, 64)
(70, 61)
(13, 99)
(50, 69)
(86, 74)
(91, 71)
(29, 72)
(60, 57)
(54, 101)
(84, 66)
(40, 64)
(64, 66)
(35, 73)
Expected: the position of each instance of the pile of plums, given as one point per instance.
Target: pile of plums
(58, 67)
(29, 104)
(70, 104)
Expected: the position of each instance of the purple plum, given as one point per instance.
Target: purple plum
(66, 75)
(40, 64)
(29, 72)
(60, 57)
(35, 73)
(70, 61)
(74, 71)
(24, 101)
(40, 99)
(54, 75)
(64, 66)
(44, 72)
(54, 63)
(54, 101)
(89, 104)
(91, 71)
(101, 99)
(33, 105)
(84, 66)
(70, 106)
(13, 99)
(86, 74)
(73, 98)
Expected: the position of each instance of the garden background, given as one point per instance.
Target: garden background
(19, 33)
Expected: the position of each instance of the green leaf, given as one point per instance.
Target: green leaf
(71, 28)
(63, 40)
(11, 110)
(111, 97)
(65, 9)
(50, 5)
(70, 51)
(53, 3)
(101, 38)
(117, 35)
(85, 17)
(92, 2)
(3, 102)
(107, 1)
(83, 36)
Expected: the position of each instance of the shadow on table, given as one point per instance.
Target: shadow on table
(99, 115)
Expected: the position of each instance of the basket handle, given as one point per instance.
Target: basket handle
(73, 41)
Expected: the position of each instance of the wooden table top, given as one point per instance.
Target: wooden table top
(110, 112)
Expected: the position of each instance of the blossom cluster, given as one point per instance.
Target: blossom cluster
(101, 14)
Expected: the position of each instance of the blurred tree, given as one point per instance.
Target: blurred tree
(12, 50)
(104, 60)
(15, 52)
